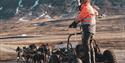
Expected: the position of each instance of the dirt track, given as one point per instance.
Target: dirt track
(110, 34)
(116, 44)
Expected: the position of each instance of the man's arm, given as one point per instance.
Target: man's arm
(74, 23)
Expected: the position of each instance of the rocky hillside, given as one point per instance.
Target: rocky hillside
(52, 8)
(36, 8)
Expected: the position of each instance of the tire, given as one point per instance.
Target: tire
(109, 56)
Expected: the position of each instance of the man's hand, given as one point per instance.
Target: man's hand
(73, 25)
(79, 7)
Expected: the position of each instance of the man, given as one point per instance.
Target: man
(87, 18)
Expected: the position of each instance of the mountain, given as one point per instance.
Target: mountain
(52, 8)
(37, 8)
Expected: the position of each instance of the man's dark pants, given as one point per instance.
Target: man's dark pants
(86, 35)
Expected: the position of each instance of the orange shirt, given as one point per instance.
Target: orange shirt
(87, 12)
(84, 12)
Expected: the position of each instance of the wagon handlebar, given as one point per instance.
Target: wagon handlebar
(70, 35)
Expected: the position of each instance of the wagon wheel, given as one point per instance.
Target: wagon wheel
(109, 56)
(69, 45)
